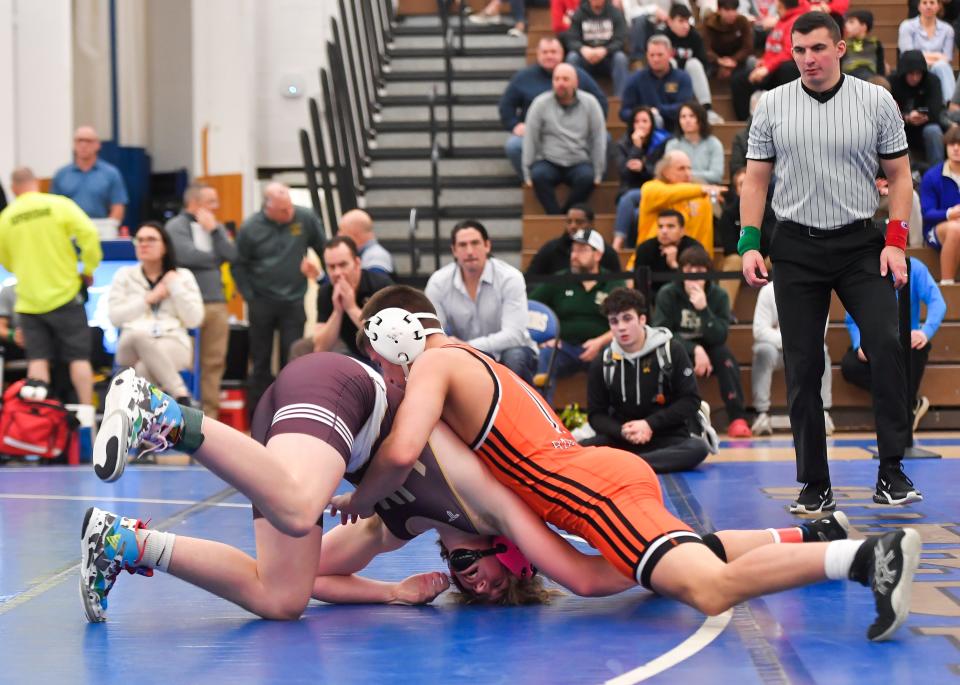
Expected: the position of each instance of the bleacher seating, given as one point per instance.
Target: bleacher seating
(942, 380)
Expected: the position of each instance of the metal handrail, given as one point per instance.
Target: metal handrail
(414, 250)
(444, 11)
(435, 178)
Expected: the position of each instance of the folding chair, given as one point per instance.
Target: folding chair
(543, 325)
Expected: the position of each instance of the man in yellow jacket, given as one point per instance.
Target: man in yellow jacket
(673, 188)
(37, 233)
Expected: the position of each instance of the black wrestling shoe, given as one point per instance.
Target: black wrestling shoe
(814, 498)
(893, 487)
(886, 564)
(833, 527)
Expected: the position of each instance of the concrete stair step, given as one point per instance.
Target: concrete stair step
(461, 64)
(407, 198)
(390, 114)
(420, 139)
(424, 88)
(447, 168)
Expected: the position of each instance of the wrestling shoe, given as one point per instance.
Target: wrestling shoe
(893, 487)
(138, 418)
(814, 498)
(836, 526)
(108, 545)
(886, 564)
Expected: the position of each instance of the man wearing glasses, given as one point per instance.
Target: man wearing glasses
(89, 181)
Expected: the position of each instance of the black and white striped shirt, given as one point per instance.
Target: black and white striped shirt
(826, 149)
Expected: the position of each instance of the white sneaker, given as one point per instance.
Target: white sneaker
(714, 118)
(919, 411)
(761, 425)
(482, 18)
(828, 423)
(709, 433)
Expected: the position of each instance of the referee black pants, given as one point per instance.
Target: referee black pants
(805, 270)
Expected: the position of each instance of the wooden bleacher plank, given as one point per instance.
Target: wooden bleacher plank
(539, 228)
(603, 199)
(945, 346)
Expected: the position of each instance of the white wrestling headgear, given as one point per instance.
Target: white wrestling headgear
(398, 336)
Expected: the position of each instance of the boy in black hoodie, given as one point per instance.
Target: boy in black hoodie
(641, 393)
(698, 312)
(920, 99)
(595, 42)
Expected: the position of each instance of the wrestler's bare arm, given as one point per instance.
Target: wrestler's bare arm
(588, 575)
(418, 414)
(348, 549)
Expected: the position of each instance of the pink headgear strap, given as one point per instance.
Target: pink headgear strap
(513, 559)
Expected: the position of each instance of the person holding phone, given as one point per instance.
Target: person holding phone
(920, 98)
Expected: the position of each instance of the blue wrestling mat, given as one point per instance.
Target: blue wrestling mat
(161, 630)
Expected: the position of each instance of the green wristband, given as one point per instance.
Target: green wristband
(749, 240)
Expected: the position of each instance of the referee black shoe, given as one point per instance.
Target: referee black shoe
(814, 498)
(893, 487)
(886, 564)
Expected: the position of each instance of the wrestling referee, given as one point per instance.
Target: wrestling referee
(823, 136)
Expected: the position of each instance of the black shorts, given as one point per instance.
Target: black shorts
(62, 334)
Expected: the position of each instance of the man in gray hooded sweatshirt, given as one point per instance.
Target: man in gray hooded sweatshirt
(641, 392)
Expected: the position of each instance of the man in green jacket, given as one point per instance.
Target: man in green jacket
(698, 313)
(583, 327)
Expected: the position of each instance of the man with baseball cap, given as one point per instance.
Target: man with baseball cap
(583, 326)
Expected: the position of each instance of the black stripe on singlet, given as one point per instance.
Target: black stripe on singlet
(487, 424)
(604, 507)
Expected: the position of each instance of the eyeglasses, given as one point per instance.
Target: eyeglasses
(462, 559)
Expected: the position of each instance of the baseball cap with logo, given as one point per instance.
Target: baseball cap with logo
(590, 237)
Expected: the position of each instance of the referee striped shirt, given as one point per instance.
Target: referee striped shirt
(826, 148)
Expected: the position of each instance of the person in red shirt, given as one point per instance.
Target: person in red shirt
(561, 12)
(776, 66)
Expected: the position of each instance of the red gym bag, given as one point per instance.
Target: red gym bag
(40, 427)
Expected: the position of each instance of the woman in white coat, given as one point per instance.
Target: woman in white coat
(154, 304)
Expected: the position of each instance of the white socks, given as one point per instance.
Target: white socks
(946, 281)
(157, 549)
(839, 558)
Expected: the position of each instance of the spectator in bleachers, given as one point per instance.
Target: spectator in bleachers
(595, 42)
(644, 17)
(776, 66)
(864, 55)
(554, 255)
(358, 226)
(339, 301)
(855, 365)
(940, 204)
(674, 188)
(639, 150)
(583, 327)
(696, 139)
(689, 55)
(40, 235)
(662, 253)
(641, 393)
(565, 142)
(768, 357)
(917, 93)
(201, 244)
(154, 304)
(738, 147)
(660, 86)
(698, 313)
(518, 9)
(727, 40)
(934, 39)
(95, 185)
(561, 15)
(728, 234)
(271, 273)
(526, 85)
(482, 301)
(765, 15)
